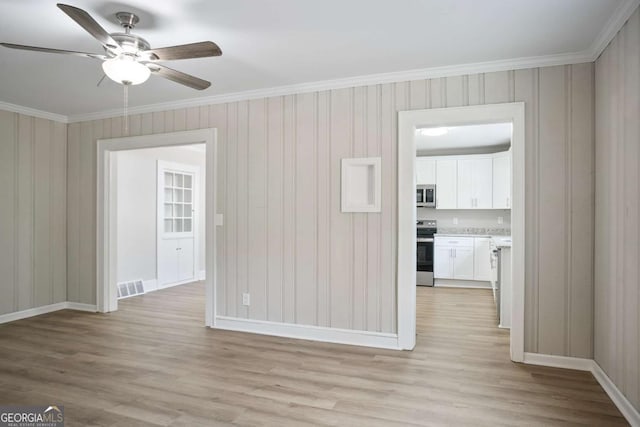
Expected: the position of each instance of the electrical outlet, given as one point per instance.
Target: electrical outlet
(246, 299)
(455, 221)
(500, 220)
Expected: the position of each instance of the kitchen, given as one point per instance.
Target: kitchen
(463, 203)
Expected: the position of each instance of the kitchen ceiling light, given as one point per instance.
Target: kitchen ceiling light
(434, 131)
(124, 69)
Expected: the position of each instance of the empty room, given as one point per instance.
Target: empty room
(363, 213)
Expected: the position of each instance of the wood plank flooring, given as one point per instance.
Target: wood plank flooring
(153, 363)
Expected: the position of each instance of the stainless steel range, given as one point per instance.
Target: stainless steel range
(424, 254)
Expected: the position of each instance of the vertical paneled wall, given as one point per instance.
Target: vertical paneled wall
(33, 215)
(617, 278)
(285, 240)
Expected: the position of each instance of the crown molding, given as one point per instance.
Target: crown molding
(366, 80)
(620, 16)
(33, 112)
(614, 24)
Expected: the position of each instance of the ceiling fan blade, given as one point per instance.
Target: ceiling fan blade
(48, 50)
(178, 77)
(90, 25)
(185, 51)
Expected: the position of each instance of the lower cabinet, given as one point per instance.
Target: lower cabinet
(462, 258)
(175, 261)
(453, 258)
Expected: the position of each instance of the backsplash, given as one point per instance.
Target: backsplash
(468, 219)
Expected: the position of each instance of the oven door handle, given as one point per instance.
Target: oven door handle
(421, 240)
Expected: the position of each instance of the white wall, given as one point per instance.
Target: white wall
(477, 218)
(617, 260)
(286, 242)
(137, 209)
(33, 212)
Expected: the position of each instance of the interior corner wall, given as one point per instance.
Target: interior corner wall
(33, 212)
(617, 258)
(285, 241)
(137, 198)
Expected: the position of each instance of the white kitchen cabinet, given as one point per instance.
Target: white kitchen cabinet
(446, 184)
(502, 180)
(482, 258)
(475, 183)
(453, 258)
(463, 263)
(442, 262)
(425, 171)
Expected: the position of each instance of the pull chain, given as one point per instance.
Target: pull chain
(126, 109)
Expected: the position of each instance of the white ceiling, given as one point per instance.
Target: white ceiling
(461, 137)
(272, 43)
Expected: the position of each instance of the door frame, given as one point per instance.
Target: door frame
(408, 121)
(106, 239)
(161, 166)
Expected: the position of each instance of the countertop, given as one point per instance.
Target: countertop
(500, 241)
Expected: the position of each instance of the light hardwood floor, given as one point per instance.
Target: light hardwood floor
(153, 363)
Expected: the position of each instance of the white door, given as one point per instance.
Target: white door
(502, 181)
(482, 259)
(186, 270)
(425, 171)
(442, 266)
(463, 263)
(446, 184)
(176, 223)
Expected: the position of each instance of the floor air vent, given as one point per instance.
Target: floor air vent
(130, 289)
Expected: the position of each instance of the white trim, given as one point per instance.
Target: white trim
(464, 284)
(33, 112)
(553, 361)
(308, 332)
(106, 237)
(408, 121)
(619, 399)
(37, 311)
(620, 16)
(91, 308)
(202, 275)
(628, 410)
(349, 82)
(31, 312)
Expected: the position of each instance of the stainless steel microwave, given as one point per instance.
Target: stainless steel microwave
(426, 196)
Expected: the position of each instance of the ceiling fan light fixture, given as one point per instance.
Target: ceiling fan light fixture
(124, 69)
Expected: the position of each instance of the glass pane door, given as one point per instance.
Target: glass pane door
(178, 202)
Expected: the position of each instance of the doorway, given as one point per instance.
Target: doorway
(409, 122)
(107, 223)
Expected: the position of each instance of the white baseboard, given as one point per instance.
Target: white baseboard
(307, 332)
(564, 362)
(202, 275)
(91, 308)
(31, 312)
(626, 408)
(473, 284)
(37, 311)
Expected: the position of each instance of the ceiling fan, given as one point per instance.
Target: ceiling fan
(128, 58)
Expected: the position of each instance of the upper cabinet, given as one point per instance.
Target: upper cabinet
(425, 171)
(502, 181)
(446, 184)
(475, 183)
(468, 182)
